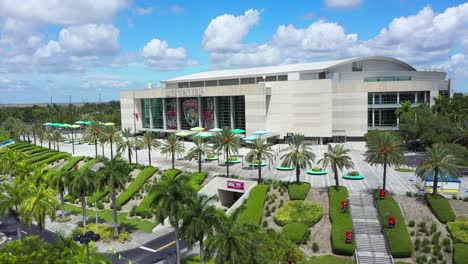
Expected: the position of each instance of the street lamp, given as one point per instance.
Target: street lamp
(85, 239)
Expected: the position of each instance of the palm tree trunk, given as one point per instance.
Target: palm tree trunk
(83, 208)
(112, 154)
(298, 171)
(176, 229)
(173, 159)
(384, 174)
(202, 252)
(227, 163)
(149, 155)
(102, 148)
(114, 207)
(136, 155)
(62, 204)
(199, 161)
(58, 149)
(436, 181)
(95, 147)
(18, 228)
(335, 170)
(49, 144)
(129, 155)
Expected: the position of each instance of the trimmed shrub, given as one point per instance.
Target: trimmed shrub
(411, 223)
(304, 212)
(315, 247)
(460, 253)
(398, 237)
(196, 179)
(317, 169)
(440, 207)
(353, 173)
(88, 164)
(135, 186)
(72, 162)
(97, 196)
(341, 222)
(298, 190)
(295, 232)
(44, 156)
(52, 159)
(459, 229)
(253, 210)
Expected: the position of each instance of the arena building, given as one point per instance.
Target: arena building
(326, 101)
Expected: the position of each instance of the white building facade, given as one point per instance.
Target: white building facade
(326, 101)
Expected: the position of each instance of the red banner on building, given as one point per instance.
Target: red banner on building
(235, 185)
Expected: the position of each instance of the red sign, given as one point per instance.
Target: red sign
(391, 221)
(349, 237)
(382, 193)
(76, 167)
(344, 204)
(235, 185)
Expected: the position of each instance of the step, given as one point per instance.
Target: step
(367, 228)
(368, 212)
(373, 258)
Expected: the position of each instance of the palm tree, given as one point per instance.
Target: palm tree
(228, 141)
(461, 135)
(172, 195)
(439, 163)
(150, 142)
(404, 108)
(233, 241)
(40, 204)
(56, 179)
(57, 137)
(48, 135)
(337, 156)
(9, 162)
(80, 184)
(110, 134)
(102, 142)
(384, 148)
(92, 134)
(260, 151)
(12, 196)
(125, 143)
(136, 145)
(172, 145)
(114, 175)
(199, 150)
(199, 220)
(298, 154)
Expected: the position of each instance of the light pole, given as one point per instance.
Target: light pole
(85, 239)
(95, 205)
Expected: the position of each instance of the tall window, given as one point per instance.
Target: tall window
(388, 118)
(145, 115)
(208, 112)
(224, 111)
(157, 112)
(407, 97)
(239, 112)
(171, 113)
(188, 113)
(389, 98)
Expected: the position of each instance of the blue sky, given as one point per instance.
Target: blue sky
(86, 48)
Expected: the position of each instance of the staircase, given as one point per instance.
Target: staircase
(371, 246)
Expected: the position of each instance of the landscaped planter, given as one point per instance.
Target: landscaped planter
(212, 157)
(233, 160)
(281, 168)
(317, 171)
(353, 175)
(255, 164)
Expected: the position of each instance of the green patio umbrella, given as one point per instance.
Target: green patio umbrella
(261, 132)
(197, 129)
(109, 124)
(205, 134)
(65, 125)
(56, 124)
(47, 124)
(80, 122)
(87, 123)
(238, 131)
(250, 138)
(216, 130)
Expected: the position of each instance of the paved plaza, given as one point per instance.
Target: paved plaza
(397, 182)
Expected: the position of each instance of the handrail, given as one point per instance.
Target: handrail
(382, 228)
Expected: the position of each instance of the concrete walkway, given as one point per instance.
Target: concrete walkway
(371, 245)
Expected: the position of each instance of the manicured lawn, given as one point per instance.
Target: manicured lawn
(88, 164)
(398, 238)
(295, 232)
(341, 222)
(44, 156)
(404, 170)
(72, 162)
(459, 229)
(305, 212)
(54, 158)
(440, 207)
(253, 210)
(97, 196)
(328, 259)
(107, 215)
(196, 179)
(460, 253)
(298, 191)
(135, 186)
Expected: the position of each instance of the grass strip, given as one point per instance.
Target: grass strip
(52, 159)
(72, 162)
(88, 164)
(196, 179)
(135, 186)
(298, 190)
(341, 221)
(460, 253)
(44, 156)
(253, 210)
(440, 207)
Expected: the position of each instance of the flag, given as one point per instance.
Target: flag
(137, 116)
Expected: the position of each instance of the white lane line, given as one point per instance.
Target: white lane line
(148, 249)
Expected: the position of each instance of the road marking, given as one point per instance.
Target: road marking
(165, 246)
(24, 232)
(148, 249)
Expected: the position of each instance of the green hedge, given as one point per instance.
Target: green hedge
(41, 157)
(440, 207)
(298, 191)
(460, 253)
(27, 148)
(52, 159)
(97, 196)
(172, 172)
(196, 179)
(341, 222)
(72, 162)
(135, 186)
(88, 164)
(253, 210)
(18, 145)
(37, 151)
(295, 232)
(398, 238)
(4, 135)
(304, 212)
(459, 229)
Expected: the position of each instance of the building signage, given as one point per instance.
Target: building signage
(235, 185)
(184, 92)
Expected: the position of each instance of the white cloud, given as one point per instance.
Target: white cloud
(160, 57)
(90, 40)
(63, 12)
(225, 32)
(343, 3)
(144, 11)
(249, 56)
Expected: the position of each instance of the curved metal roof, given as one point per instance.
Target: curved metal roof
(278, 69)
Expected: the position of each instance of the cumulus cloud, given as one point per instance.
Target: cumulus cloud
(90, 40)
(63, 12)
(160, 57)
(343, 3)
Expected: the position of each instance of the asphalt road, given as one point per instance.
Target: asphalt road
(8, 227)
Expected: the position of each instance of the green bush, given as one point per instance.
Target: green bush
(196, 179)
(211, 155)
(315, 247)
(304, 212)
(440, 207)
(341, 222)
(135, 186)
(298, 190)
(317, 169)
(459, 229)
(253, 210)
(295, 232)
(460, 253)
(398, 237)
(353, 173)
(232, 158)
(72, 162)
(88, 164)
(44, 156)
(52, 159)
(36, 150)
(172, 172)
(97, 196)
